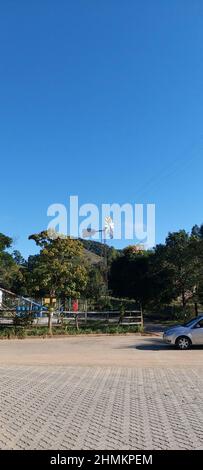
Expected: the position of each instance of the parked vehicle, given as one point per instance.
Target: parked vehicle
(184, 336)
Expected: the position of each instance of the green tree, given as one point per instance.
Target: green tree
(197, 236)
(95, 287)
(179, 258)
(130, 275)
(9, 270)
(18, 258)
(59, 269)
(20, 282)
(197, 231)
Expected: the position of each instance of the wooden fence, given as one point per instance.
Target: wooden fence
(131, 317)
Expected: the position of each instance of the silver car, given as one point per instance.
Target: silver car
(184, 336)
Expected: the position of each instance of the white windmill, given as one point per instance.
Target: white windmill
(107, 230)
(108, 226)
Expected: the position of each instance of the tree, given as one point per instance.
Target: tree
(130, 275)
(197, 231)
(179, 258)
(96, 286)
(9, 270)
(18, 258)
(59, 269)
(171, 270)
(20, 282)
(5, 242)
(197, 236)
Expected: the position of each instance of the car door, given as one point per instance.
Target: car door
(197, 333)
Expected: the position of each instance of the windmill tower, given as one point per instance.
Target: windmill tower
(107, 230)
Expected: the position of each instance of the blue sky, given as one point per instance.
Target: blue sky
(102, 99)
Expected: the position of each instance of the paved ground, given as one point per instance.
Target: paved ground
(104, 392)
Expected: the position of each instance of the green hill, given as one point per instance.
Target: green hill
(100, 249)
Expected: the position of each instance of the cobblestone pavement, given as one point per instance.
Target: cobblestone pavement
(64, 407)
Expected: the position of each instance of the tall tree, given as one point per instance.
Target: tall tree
(9, 270)
(180, 259)
(59, 268)
(129, 275)
(96, 287)
(197, 231)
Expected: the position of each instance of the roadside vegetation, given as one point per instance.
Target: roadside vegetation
(43, 331)
(167, 281)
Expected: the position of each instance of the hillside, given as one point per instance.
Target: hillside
(99, 249)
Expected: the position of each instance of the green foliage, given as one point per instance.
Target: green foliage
(179, 260)
(38, 331)
(24, 320)
(9, 270)
(95, 287)
(21, 333)
(5, 242)
(100, 249)
(197, 231)
(129, 276)
(59, 269)
(172, 272)
(7, 333)
(43, 331)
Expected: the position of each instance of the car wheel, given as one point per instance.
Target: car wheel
(183, 342)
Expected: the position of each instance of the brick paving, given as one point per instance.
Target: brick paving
(79, 407)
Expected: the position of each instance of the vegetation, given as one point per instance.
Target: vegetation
(171, 271)
(43, 331)
(100, 249)
(167, 279)
(9, 270)
(59, 269)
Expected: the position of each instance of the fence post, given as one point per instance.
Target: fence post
(142, 319)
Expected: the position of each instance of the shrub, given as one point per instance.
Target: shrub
(7, 333)
(21, 333)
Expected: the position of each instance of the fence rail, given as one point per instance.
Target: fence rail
(131, 317)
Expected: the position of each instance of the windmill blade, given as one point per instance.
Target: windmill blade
(109, 226)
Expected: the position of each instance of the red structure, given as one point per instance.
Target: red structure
(75, 306)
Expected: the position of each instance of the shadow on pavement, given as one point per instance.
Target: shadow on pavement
(155, 344)
(148, 344)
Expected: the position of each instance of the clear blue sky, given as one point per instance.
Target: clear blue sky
(103, 99)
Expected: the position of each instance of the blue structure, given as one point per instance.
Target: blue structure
(35, 309)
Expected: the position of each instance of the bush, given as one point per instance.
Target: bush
(21, 333)
(23, 320)
(42, 331)
(38, 331)
(7, 333)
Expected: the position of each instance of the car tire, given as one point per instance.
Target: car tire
(183, 342)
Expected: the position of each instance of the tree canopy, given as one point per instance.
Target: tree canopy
(172, 270)
(60, 267)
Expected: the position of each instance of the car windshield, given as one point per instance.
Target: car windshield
(190, 323)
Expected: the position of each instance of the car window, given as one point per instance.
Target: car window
(190, 323)
(199, 324)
